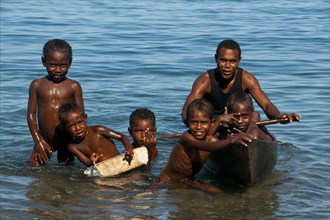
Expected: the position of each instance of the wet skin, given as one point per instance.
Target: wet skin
(243, 121)
(91, 144)
(143, 132)
(228, 61)
(46, 96)
(193, 148)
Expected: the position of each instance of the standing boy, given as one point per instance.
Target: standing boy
(142, 128)
(90, 144)
(46, 96)
(194, 147)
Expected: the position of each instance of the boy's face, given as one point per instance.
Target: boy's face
(57, 65)
(75, 125)
(199, 124)
(243, 120)
(140, 129)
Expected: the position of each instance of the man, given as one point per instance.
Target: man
(216, 85)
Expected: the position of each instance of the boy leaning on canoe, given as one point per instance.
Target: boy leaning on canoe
(194, 146)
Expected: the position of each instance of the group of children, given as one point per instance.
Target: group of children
(58, 122)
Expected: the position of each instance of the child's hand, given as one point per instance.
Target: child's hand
(241, 137)
(42, 152)
(150, 139)
(128, 156)
(226, 118)
(95, 157)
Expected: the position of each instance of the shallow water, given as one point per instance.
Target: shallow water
(147, 54)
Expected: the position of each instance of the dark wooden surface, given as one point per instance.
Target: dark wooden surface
(245, 166)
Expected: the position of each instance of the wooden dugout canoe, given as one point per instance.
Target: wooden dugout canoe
(245, 166)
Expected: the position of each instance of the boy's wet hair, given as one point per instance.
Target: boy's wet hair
(200, 105)
(142, 114)
(68, 108)
(239, 98)
(57, 45)
(229, 44)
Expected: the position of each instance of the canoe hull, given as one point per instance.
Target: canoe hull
(245, 166)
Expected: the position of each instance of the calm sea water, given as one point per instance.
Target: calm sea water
(130, 54)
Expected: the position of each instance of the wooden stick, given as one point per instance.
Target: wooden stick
(170, 136)
(271, 122)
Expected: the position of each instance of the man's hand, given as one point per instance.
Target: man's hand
(291, 117)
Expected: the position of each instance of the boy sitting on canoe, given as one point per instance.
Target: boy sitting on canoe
(195, 145)
(240, 109)
(142, 128)
(91, 144)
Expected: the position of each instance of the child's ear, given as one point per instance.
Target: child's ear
(61, 126)
(213, 122)
(129, 131)
(43, 60)
(85, 116)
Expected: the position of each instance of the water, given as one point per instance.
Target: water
(147, 54)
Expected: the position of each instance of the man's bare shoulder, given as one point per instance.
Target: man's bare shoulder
(249, 81)
(203, 78)
(202, 84)
(248, 76)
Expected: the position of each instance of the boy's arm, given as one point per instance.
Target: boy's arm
(120, 137)
(189, 140)
(41, 148)
(78, 95)
(81, 156)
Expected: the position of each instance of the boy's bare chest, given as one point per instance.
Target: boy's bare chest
(55, 92)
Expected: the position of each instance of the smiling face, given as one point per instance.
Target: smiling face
(227, 62)
(57, 65)
(199, 124)
(75, 124)
(138, 130)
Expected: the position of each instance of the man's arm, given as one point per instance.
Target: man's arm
(251, 85)
(200, 87)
